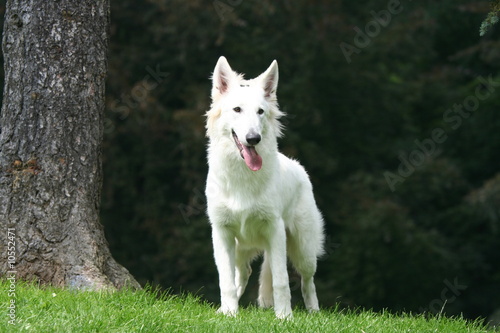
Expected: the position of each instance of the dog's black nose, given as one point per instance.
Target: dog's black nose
(253, 138)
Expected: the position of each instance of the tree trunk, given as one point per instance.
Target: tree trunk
(50, 144)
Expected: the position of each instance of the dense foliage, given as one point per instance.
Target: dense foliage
(392, 108)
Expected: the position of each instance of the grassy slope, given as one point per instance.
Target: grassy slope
(56, 310)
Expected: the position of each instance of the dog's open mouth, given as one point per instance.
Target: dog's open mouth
(249, 154)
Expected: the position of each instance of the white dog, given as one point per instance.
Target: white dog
(258, 199)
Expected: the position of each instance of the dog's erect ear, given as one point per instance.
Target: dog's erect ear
(270, 79)
(223, 74)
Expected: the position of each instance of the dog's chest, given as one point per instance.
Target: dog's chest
(252, 226)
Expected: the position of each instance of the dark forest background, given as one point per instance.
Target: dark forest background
(401, 139)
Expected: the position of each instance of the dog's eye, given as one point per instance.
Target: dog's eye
(237, 109)
(261, 111)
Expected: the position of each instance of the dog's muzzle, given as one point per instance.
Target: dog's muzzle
(249, 153)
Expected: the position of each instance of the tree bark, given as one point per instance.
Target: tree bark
(50, 143)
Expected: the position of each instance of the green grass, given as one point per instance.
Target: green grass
(57, 310)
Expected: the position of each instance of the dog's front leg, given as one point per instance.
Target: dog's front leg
(224, 253)
(279, 272)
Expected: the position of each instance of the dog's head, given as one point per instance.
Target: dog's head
(244, 111)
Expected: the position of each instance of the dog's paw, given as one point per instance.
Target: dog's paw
(265, 302)
(313, 310)
(227, 311)
(284, 315)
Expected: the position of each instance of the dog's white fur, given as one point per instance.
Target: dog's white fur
(271, 210)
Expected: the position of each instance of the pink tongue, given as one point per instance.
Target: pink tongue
(252, 159)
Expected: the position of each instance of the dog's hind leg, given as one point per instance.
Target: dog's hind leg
(304, 260)
(309, 293)
(265, 299)
(243, 269)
